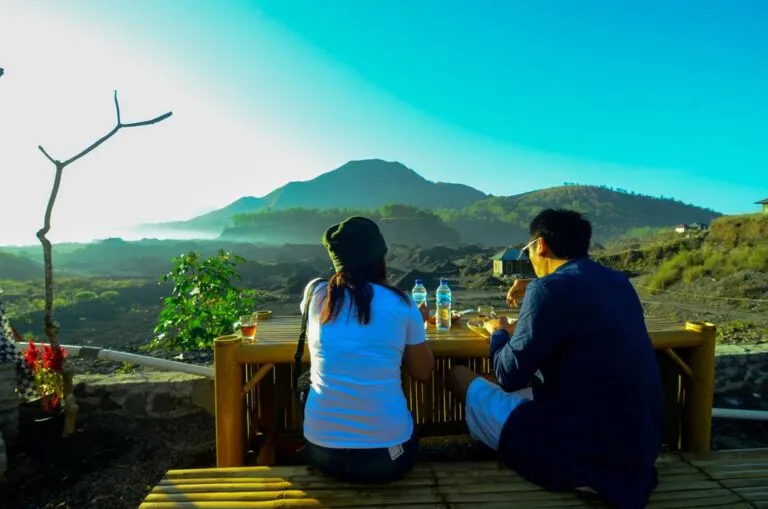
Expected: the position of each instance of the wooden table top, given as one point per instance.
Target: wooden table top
(276, 340)
(285, 329)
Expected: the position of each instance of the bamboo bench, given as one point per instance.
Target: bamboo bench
(733, 479)
(254, 401)
(255, 406)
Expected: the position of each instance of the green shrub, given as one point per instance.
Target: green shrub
(666, 275)
(204, 304)
(690, 265)
(691, 274)
(85, 295)
(109, 295)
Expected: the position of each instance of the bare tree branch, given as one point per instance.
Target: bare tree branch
(148, 122)
(51, 328)
(51, 159)
(93, 146)
(114, 130)
(117, 109)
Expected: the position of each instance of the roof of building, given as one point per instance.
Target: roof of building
(509, 255)
(762, 202)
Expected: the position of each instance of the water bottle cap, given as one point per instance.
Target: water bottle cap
(443, 281)
(419, 281)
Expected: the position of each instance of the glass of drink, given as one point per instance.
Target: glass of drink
(485, 312)
(248, 325)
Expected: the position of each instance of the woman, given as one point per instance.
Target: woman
(360, 332)
(10, 353)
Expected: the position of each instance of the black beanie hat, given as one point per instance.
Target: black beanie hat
(355, 242)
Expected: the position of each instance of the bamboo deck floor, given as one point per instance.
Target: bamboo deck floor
(732, 479)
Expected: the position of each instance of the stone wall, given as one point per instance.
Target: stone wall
(144, 394)
(741, 376)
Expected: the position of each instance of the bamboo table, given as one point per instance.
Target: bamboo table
(254, 393)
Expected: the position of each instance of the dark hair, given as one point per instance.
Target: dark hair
(358, 281)
(566, 232)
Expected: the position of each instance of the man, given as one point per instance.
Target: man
(593, 420)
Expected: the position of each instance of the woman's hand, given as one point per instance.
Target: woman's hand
(495, 324)
(424, 311)
(517, 292)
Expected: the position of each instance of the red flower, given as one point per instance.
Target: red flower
(53, 359)
(32, 356)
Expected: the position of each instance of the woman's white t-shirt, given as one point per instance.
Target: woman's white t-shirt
(356, 400)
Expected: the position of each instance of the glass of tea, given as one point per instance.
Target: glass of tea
(485, 312)
(248, 325)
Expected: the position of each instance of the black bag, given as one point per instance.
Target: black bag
(302, 382)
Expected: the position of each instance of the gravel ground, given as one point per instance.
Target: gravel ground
(109, 463)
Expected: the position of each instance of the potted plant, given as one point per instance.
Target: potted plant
(44, 415)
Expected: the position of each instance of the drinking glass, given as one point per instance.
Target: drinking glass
(485, 312)
(248, 325)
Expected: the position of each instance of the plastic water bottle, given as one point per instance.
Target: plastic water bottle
(419, 293)
(443, 314)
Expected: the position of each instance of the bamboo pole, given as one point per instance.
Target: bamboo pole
(230, 408)
(255, 379)
(698, 425)
(268, 420)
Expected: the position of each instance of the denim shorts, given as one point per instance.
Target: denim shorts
(365, 466)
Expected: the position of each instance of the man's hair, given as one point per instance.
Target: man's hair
(566, 232)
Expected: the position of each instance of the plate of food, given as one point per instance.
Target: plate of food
(477, 325)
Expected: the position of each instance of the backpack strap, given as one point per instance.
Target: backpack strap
(303, 334)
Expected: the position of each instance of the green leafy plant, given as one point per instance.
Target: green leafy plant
(205, 302)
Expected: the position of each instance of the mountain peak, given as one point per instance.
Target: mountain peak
(372, 168)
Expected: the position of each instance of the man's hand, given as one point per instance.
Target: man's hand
(517, 292)
(495, 324)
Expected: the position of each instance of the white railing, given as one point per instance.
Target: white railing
(93, 352)
(194, 369)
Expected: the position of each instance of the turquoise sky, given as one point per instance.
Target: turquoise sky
(661, 97)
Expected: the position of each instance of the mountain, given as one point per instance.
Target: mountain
(366, 184)
(400, 224)
(613, 213)
(19, 268)
(457, 213)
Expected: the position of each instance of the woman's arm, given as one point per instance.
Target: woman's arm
(418, 358)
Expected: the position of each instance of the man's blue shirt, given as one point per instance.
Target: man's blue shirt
(595, 420)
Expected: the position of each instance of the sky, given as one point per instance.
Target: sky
(659, 97)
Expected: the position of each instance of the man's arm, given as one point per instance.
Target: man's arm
(515, 359)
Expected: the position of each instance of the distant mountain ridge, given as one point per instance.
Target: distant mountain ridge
(365, 184)
(18, 267)
(368, 185)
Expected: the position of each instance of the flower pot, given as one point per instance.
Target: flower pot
(38, 428)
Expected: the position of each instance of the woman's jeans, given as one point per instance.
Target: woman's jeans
(367, 466)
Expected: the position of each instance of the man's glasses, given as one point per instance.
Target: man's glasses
(527, 248)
